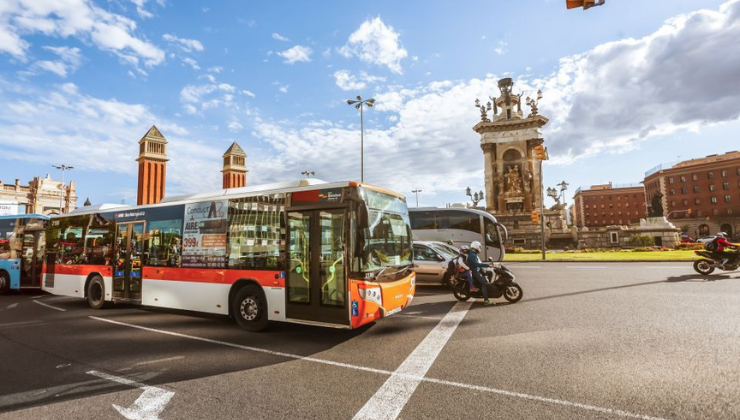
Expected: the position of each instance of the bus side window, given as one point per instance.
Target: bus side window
(492, 238)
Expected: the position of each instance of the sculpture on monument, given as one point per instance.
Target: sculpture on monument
(513, 181)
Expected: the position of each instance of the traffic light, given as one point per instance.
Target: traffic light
(535, 216)
(586, 4)
(540, 152)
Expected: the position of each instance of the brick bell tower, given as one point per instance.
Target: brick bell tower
(152, 167)
(235, 167)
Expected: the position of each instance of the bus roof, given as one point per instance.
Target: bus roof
(25, 216)
(483, 213)
(277, 187)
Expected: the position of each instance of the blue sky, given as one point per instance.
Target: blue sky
(627, 86)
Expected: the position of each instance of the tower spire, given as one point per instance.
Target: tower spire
(235, 167)
(152, 167)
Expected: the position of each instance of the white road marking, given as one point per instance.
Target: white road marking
(390, 399)
(402, 315)
(12, 305)
(585, 267)
(169, 359)
(39, 296)
(48, 306)
(148, 406)
(526, 266)
(20, 324)
(620, 413)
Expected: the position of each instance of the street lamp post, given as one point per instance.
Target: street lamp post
(563, 186)
(359, 104)
(63, 167)
(474, 197)
(416, 191)
(308, 174)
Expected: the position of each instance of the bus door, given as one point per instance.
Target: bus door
(31, 258)
(127, 264)
(316, 279)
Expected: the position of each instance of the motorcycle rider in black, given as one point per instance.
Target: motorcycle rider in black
(475, 267)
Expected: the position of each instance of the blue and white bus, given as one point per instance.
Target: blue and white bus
(22, 247)
(460, 226)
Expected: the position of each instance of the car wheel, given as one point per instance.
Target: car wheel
(250, 308)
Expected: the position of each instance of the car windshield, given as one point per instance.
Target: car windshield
(443, 250)
(386, 242)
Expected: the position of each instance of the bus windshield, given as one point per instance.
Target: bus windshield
(385, 243)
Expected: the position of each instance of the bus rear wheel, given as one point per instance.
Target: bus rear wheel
(250, 308)
(4, 283)
(96, 293)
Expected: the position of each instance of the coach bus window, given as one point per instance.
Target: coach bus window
(6, 236)
(492, 238)
(163, 243)
(423, 220)
(462, 221)
(256, 232)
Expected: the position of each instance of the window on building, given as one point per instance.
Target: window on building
(670, 180)
(694, 177)
(697, 201)
(685, 202)
(715, 212)
(737, 171)
(725, 185)
(684, 190)
(673, 203)
(614, 236)
(724, 174)
(683, 178)
(727, 198)
(672, 192)
(712, 187)
(696, 189)
(714, 200)
(710, 175)
(611, 206)
(699, 213)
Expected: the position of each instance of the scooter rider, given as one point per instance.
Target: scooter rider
(475, 268)
(721, 242)
(463, 270)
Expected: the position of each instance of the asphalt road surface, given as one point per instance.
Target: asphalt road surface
(596, 340)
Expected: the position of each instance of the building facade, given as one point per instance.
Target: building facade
(41, 195)
(701, 195)
(606, 205)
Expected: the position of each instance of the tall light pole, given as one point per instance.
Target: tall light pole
(63, 167)
(359, 104)
(417, 191)
(475, 197)
(563, 186)
(308, 174)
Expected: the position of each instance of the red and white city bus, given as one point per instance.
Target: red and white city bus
(332, 254)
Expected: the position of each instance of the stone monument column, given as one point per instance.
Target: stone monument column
(511, 170)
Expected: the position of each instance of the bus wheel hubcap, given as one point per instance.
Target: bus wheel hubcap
(249, 309)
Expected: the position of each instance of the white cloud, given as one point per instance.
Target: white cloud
(216, 69)
(279, 37)
(186, 45)
(204, 97)
(501, 48)
(72, 18)
(621, 93)
(296, 54)
(235, 126)
(248, 93)
(192, 63)
(283, 89)
(376, 43)
(143, 13)
(347, 81)
(70, 60)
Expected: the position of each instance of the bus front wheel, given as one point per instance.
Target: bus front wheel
(4, 283)
(96, 293)
(250, 308)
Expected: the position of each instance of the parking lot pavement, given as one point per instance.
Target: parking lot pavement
(584, 343)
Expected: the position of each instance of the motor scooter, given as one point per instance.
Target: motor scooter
(710, 261)
(500, 283)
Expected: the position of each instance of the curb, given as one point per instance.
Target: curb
(594, 261)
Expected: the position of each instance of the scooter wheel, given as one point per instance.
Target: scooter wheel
(513, 293)
(460, 294)
(703, 267)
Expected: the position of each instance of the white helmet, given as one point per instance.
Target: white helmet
(475, 245)
(722, 235)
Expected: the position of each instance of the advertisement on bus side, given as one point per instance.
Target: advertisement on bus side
(204, 236)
